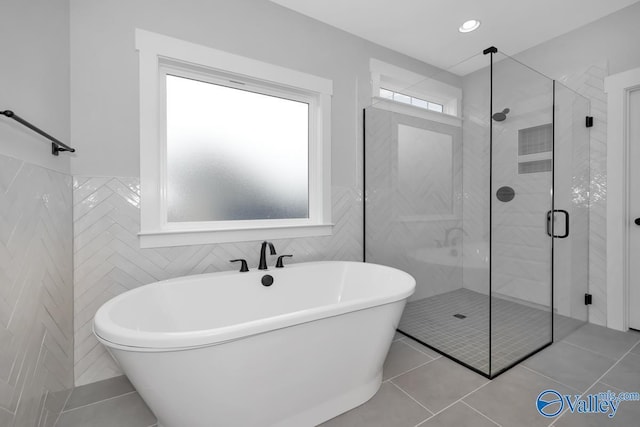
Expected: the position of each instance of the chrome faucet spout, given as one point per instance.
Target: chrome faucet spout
(263, 254)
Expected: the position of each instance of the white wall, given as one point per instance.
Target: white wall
(613, 38)
(581, 59)
(34, 79)
(104, 67)
(36, 284)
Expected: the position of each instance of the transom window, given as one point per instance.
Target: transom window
(399, 90)
(411, 100)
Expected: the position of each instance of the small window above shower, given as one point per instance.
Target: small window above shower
(411, 100)
(403, 91)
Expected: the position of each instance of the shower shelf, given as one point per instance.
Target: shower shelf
(56, 145)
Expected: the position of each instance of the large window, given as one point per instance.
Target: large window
(231, 148)
(234, 154)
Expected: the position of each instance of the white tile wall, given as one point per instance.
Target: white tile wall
(397, 234)
(108, 260)
(36, 332)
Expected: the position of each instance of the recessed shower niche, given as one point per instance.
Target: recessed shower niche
(489, 292)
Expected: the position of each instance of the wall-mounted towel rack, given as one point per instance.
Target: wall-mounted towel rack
(56, 145)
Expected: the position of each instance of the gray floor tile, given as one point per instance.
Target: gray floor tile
(401, 358)
(101, 390)
(570, 365)
(626, 374)
(636, 349)
(55, 401)
(459, 415)
(439, 383)
(389, 407)
(124, 411)
(510, 399)
(422, 348)
(6, 417)
(563, 326)
(602, 340)
(627, 414)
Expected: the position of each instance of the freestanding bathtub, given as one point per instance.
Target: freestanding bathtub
(223, 350)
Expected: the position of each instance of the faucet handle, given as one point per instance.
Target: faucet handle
(279, 263)
(243, 264)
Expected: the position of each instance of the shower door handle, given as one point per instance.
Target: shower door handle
(550, 216)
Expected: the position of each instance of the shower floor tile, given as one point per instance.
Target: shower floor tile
(457, 324)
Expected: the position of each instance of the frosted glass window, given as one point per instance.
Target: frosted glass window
(384, 93)
(406, 99)
(401, 98)
(419, 103)
(435, 107)
(233, 154)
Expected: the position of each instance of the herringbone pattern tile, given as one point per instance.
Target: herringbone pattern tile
(108, 260)
(399, 228)
(36, 333)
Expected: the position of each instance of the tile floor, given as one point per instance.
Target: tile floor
(516, 330)
(422, 388)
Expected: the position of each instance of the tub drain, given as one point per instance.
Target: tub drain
(460, 316)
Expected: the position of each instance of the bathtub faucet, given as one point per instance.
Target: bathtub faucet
(450, 242)
(263, 254)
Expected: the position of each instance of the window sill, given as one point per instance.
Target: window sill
(412, 110)
(162, 238)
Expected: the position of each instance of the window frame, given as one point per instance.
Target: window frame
(161, 55)
(404, 82)
(411, 99)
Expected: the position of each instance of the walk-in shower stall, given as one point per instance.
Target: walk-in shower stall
(477, 184)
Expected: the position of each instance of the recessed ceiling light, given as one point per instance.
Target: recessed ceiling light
(468, 26)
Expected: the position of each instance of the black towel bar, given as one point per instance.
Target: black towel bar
(56, 145)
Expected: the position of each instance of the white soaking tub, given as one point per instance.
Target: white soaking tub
(223, 350)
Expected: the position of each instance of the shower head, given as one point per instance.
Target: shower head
(501, 116)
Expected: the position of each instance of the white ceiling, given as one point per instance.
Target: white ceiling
(428, 29)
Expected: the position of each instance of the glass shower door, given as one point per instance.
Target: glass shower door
(522, 150)
(468, 206)
(571, 189)
(428, 215)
